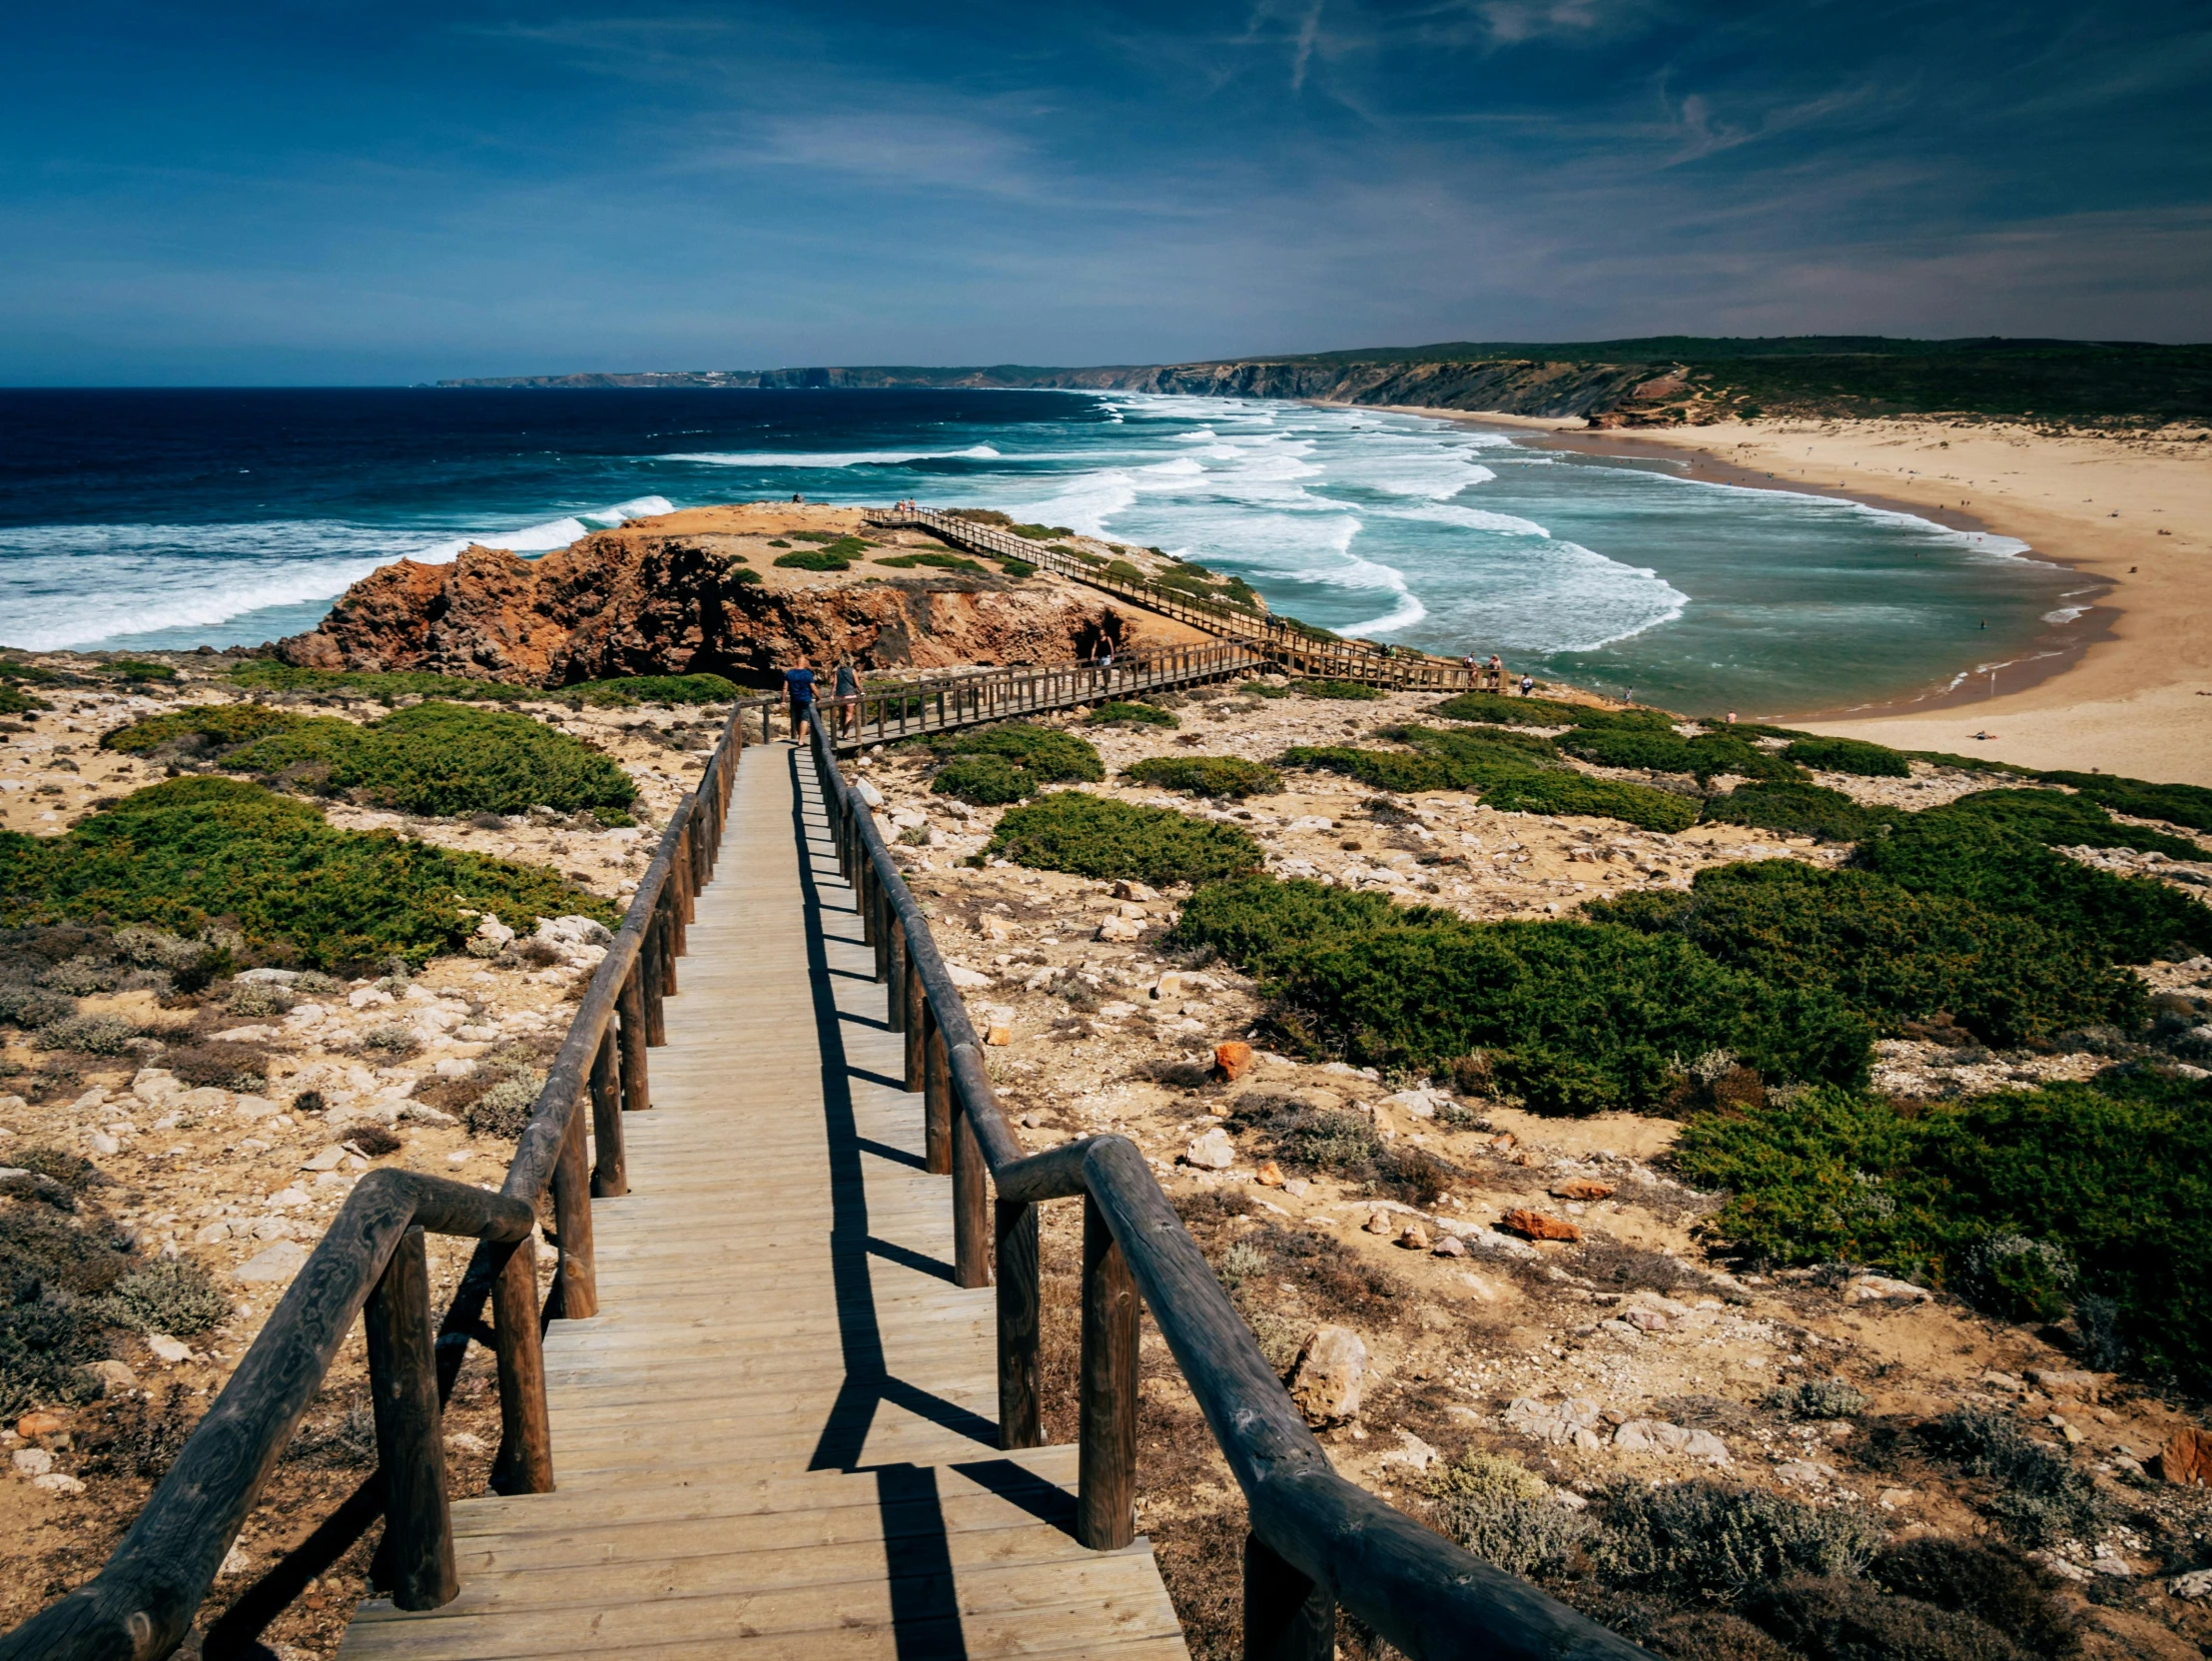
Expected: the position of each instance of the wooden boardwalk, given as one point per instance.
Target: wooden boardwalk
(776, 1440)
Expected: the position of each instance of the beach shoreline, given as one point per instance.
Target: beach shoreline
(2125, 686)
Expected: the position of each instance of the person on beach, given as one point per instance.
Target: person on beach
(798, 682)
(848, 697)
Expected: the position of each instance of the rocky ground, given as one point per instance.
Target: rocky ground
(1532, 1288)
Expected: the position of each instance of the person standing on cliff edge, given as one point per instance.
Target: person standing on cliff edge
(798, 681)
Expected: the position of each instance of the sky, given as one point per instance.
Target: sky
(338, 192)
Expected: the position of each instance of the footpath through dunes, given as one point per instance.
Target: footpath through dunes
(779, 1437)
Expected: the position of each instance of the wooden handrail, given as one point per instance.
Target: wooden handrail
(1316, 1542)
(370, 1261)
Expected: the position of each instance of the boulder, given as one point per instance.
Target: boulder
(167, 1348)
(2186, 1459)
(1327, 1382)
(1571, 1420)
(1233, 1061)
(1414, 1237)
(1120, 928)
(1581, 1187)
(279, 1262)
(1532, 1225)
(1211, 1152)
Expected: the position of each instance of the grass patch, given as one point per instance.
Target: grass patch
(1498, 710)
(1514, 771)
(1121, 712)
(1093, 836)
(1703, 756)
(1205, 775)
(1574, 1018)
(1848, 755)
(1354, 692)
(627, 691)
(266, 674)
(813, 560)
(2112, 1175)
(1016, 568)
(434, 758)
(991, 765)
(137, 669)
(942, 561)
(1893, 955)
(181, 854)
(15, 701)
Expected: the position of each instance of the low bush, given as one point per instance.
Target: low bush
(2035, 1491)
(1500, 709)
(92, 1035)
(1514, 771)
(266, 674)
(1205, 775)
(178, 854)
(1798, 810)
(1505, 1514)
(940, 561)
(2112, 1175)
(1706, 1542)
(1893, 955)
(2177, 804)
(2000, 1589)
(813, 560)
(436, 758)
(58, 1256)
(1263, 689)
(33, 1006)
(1663, 750)
(1357, 691)
(1967, 854)
(1573, 1016)
(1120, 712)
(1033, 532)
(1831, 1618)
(175, 1296)
(1820, 1398)
(1094, 836)
(1848, 755)
(2059, 820)
(15, 701)
(139, 670)
(502, 1110)
(1016, 568)
(991, 765)
(1575, 796)
(984, 780)
(626, 691)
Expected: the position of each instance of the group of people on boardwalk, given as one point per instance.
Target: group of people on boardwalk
(800, 690)
(1491, 676)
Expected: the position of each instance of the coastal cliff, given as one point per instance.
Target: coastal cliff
(635, 601)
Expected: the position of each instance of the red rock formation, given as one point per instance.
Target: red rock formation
(622, 603)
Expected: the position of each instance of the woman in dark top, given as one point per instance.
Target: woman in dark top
(848, 697)
(798, 682)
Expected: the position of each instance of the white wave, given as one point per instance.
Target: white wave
(829, 458)
(1471, 519)
(2065, 614)
(1408, 611)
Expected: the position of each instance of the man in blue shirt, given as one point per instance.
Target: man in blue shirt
(798, 682)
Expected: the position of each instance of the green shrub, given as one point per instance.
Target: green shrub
(1501, 710)
(1665, 751)
(1513, 771)
(1820, 1398)
(53, 1267)
(1353, 690)
(942, 561)
(176, 1297)
(1261, 689)
(1575, 796)
(1967, 854)
(1998, 1587)
(2059, 820)
(221, 726)
(1848, 755)
(2037, 1494)
(1798, 810)
(2177, 804)
(1893, 955)
(33, 1006)
(984, 780)
(744, 575)
(15, 701)
(1016, 568)
(1123, 572)
(1205, 775)
(1094, 836)
(625, 692)
(1377, 769)
(92, 1035)
(813, 560)
(1504, 1513)
(1837, 1619)
(2114, 1174)
(1259, 923)
(1702, 1541)
(189, 850)
(1120, 712)
(137, 669)
(1040, 533)
(266, 674)
(504, 1109)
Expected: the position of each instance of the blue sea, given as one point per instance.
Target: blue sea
(171, 519)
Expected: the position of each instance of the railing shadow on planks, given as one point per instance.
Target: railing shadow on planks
(372, 1261)
(1316, 1541)
(1296, 648)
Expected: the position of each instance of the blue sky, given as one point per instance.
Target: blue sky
(345, 192)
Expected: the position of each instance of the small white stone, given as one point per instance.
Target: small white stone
(33, 1461)
(279, 1262)
(54, 1482)
(100, 1143)
(167, 1348)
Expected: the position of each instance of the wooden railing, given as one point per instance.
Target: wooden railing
(1316, 1542)
(1291, 645)
(883, 714)
(142, 1603)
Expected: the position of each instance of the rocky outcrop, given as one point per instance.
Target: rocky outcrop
(622, 604)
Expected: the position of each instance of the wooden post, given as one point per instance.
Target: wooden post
(1287, 1616)
(1020, 1408)
(971, 1207)
(895, 1004)
(1105, 1497)
(610, 1175)
(417, 1549)
(637, 1092)
(671, 941)
(887, 916)
(524, 1462)
(916, 997)
(579, 1277)
(653, 983)
(937, 1104)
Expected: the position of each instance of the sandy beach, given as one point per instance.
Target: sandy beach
(2133, 691)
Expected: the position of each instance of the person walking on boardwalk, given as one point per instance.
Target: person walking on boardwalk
(1497, 673)
(848, 698)
(798, 682)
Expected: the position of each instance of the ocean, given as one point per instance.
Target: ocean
(137, 519)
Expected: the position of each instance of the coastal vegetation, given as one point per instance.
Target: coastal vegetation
(188, 853)
(986, 766)
(1205, 775)
(434, 758)
(1120, 712)
(1097, 836)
